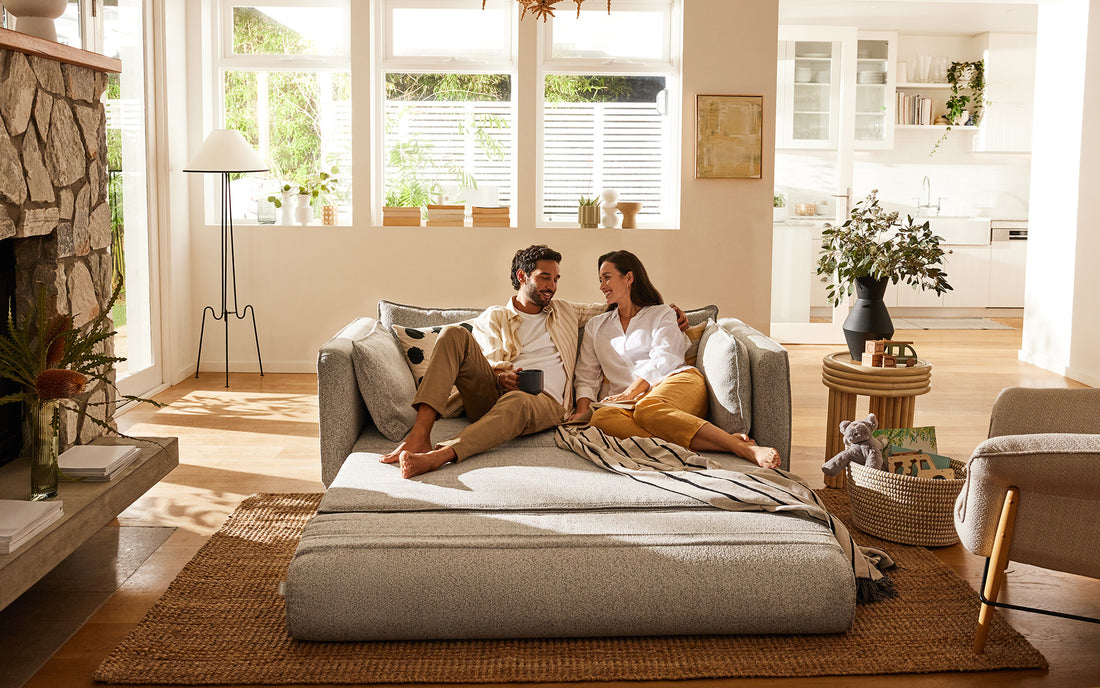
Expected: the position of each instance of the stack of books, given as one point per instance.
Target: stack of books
(914, 109)
(496, 216)
(446, 215)
(400, 217)
(96, 461)
(20, 521)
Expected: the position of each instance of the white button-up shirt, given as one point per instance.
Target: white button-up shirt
(652, 347)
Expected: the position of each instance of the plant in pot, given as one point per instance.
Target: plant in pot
(55, 363)
(282, 204)
(322, 186)
(963, 76)
(588, 212)
(779, 207)
(867, 252)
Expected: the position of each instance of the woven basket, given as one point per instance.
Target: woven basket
(901, 508)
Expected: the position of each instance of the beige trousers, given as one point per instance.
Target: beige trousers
(497, 416)
(673, 410)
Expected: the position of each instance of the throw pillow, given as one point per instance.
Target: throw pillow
(384, 383)
(724, 362)
(694, 334)
(417, 344)
(391, 313)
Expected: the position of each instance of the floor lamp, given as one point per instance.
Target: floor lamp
(226, 152)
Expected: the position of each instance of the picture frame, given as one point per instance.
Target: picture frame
(729, 137)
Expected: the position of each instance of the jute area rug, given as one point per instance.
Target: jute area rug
(222, 621)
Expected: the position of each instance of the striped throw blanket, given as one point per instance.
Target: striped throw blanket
(671, 467)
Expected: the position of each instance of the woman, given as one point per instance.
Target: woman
(638, 347)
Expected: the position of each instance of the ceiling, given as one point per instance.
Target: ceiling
(965, 17)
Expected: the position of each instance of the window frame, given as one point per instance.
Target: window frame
(668, 67)
(224, 60)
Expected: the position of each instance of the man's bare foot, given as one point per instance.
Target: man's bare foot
(765, 457)
(415, 463)
(412, 444)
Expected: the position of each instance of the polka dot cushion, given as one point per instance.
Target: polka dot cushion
(417, 343)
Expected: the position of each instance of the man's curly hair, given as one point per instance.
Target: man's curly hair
(527, 259)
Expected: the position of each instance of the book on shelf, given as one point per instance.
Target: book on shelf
(21, 520)
(491, 210)
(401, 211)
(400, 221)
(96, 461)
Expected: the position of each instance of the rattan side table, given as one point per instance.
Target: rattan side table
(891, 393)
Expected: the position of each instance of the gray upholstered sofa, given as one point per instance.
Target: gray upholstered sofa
(529, 540)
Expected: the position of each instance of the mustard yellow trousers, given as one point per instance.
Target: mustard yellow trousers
(673, 410)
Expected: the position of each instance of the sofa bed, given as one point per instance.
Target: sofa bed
(531, 540)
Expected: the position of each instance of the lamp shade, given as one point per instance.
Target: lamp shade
(225, 150)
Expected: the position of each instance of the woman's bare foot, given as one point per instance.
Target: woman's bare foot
(415, 463)
(415, 445)
(765, 457)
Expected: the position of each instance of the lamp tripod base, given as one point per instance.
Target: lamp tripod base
(224, 317)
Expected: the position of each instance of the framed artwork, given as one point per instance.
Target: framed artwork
(729, 142)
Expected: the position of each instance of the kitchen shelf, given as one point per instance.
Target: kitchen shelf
(924, 84)
(940, 127)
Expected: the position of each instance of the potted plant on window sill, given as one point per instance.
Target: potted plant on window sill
(866, 253)
(588, 212)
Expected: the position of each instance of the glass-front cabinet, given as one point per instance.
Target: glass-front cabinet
(874, 84)
(809, 93)
(826, 75)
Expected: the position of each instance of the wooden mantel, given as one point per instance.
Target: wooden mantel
(33, 45)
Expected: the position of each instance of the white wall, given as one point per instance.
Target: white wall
(1061, 328)
(305, 283)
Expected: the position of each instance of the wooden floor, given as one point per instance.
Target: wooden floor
(261, 436)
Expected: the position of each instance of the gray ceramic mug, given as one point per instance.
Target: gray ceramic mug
(530, 380)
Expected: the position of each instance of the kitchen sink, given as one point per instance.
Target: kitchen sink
(958, 230)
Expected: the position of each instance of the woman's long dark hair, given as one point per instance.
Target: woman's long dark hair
(642, 292)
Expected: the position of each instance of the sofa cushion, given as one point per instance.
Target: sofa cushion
(417, 345)
(384, 382)
(507, 478)
(391, 314)
(699, 316)
(724, 361)
(695, 335)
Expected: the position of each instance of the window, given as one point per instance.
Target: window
(607, 120)
(286, 86)
(447, 121)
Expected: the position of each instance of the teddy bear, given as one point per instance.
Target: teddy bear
(859, 446)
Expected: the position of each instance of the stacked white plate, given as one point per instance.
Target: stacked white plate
(871, 77)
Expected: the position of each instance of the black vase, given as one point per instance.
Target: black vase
(869, 318)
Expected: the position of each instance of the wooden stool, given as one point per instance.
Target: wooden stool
(891, 393)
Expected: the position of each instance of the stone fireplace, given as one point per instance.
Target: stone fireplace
(55, 228)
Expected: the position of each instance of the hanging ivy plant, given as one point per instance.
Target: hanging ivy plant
(968, 76)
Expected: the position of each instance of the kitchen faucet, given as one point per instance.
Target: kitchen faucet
(926, 189)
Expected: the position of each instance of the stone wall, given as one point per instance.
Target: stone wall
(53, 193)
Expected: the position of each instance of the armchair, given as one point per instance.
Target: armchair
(1032, 491)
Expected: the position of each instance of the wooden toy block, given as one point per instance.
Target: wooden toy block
(872, 360)
(889, 361)
(875, 346)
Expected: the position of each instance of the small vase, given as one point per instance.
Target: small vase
(630, 210)
(328, 214)
(286, 210)
(303, 214)
(43, 422)
(869, 318)
(588, 216)
(36, 17)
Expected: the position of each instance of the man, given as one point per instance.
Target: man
(528, 332)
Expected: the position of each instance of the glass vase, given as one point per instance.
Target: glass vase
(44, 424)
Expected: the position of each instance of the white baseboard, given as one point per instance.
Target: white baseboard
(1058, 367)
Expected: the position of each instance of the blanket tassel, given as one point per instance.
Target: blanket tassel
(868, 591)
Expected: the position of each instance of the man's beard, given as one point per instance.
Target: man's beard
(535, 296)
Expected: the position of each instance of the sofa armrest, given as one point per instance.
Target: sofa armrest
(770, 372)
(342, 415)
(1058, 477)
(1027, 411)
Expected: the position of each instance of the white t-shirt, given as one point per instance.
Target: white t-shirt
(539, 353)
(652, 347)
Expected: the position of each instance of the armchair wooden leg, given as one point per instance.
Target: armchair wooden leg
(998, 562)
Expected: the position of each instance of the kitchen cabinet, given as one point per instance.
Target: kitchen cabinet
(1010, 92)
(1007, 263)
(817, 67)
(968, 272)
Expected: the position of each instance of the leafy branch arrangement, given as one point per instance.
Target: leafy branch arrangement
(872, 243)
(964, 75)
(50, 359)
